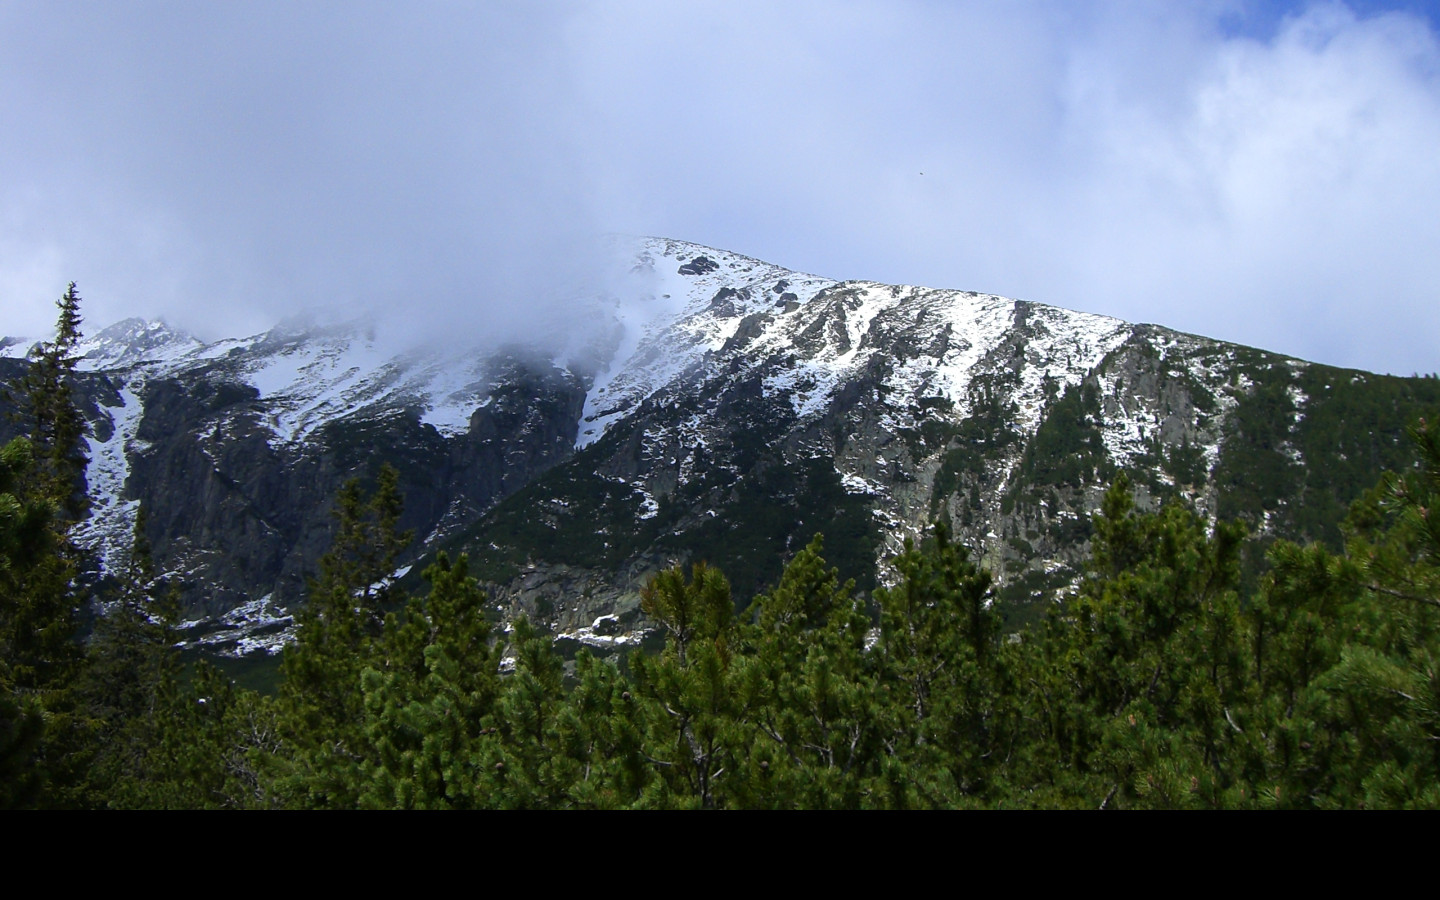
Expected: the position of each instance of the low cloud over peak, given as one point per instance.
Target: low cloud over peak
(1263, 173)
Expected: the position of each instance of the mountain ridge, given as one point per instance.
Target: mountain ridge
(713, 406)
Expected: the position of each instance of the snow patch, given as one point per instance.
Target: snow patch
(258, 626)
(604, 632)
(109, 528)
(854, 484)
(649, 509)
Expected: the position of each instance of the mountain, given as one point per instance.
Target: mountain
(714, 407)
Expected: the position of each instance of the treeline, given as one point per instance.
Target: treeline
(1160, 682)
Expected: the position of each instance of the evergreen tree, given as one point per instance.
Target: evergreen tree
(27, 542)
(428, 693)
(600, 732)
(525, 766)
(1304, 618)
(217, 749)
(321, 700)
(1144, 678)
(1377, 708)
(52, 421)
(812, 696)
(691, 691)
(41, 495)
(130, 680)
(939, 664)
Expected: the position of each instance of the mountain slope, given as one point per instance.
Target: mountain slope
(717, 407)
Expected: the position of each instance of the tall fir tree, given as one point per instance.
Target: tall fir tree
(54, 424)
(41, 496)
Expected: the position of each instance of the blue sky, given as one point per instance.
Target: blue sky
(1258, 172)
(1261, 20)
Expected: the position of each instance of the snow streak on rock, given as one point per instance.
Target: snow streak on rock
(110, 526)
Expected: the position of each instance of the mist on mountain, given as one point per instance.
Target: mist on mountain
(1257, 172)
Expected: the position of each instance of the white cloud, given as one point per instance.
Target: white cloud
(1287, 202)
(1273, 186)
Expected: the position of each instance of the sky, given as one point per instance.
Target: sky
(1260, 172)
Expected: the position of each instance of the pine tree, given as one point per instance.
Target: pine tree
(41, 496)
(599, 730)
(1378, 706)
(47, 481)
(337, 636)
(939, 665)
(1144, 678)
(526, 767)
(27, 542)
(813, 696)
(130, 680)
(217, 748)
(690, 691)
(345, 611)
(54, 424)
(431, 686)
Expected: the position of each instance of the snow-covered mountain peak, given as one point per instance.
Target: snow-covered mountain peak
(748, 406)
(15, 347)
(688, 301)
(682, 306)
(133, 341)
